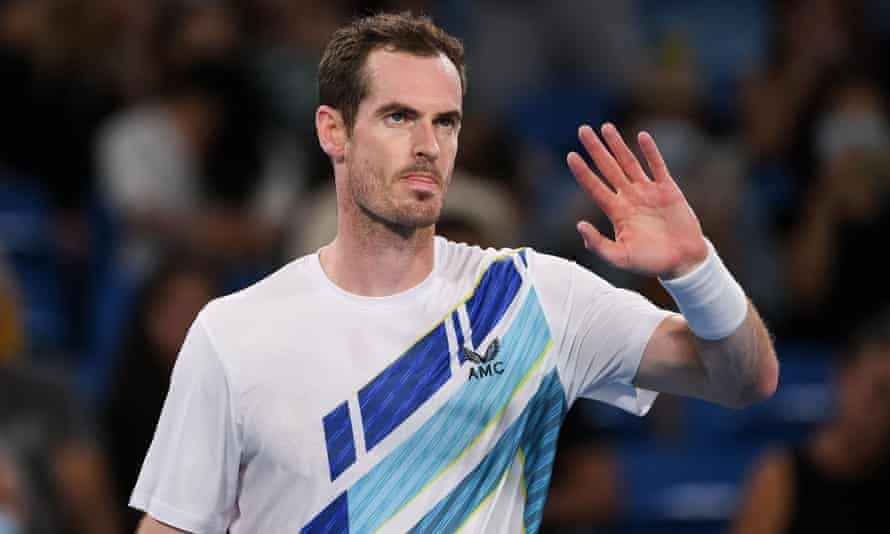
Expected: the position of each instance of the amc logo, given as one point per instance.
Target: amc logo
(485, 364)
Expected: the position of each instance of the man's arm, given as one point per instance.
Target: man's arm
(720, 350)
(150, 525)
(734, 371)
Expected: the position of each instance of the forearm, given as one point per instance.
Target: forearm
(741, 368)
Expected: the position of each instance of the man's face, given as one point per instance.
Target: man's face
(400, 155)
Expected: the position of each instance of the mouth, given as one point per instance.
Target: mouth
(421, 178)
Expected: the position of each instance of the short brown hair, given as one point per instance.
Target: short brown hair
(342, 80)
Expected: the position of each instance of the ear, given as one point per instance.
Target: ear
(331, 131)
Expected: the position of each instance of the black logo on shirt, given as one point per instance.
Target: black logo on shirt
(485, 364)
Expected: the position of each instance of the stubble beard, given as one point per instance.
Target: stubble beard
(372, 195)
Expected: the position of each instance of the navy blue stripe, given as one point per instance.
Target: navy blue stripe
(460, 336)
(334, 519)
(339, 440)
(523, 258)
(492, 297)
(397, 392)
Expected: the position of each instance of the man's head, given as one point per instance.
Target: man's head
(390, 93)
(342, 74)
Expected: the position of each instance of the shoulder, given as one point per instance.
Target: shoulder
(258, 303)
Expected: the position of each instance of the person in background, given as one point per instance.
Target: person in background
(169, 303)
(838, 479)
(830, 244)
(53, 477)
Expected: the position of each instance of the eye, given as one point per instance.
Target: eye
(447, 122)
(397, 117)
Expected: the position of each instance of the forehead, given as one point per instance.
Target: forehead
(426, 83)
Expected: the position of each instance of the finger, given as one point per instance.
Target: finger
(626, 159)
(595, 241)
(606, 164)
(593, 184)
(654, 160)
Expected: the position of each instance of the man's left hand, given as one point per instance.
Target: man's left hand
(656, 231)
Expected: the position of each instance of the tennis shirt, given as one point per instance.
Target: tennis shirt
(296, 407)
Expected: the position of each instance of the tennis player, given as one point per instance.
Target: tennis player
(398, 382)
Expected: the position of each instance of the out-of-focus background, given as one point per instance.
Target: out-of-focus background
(155, 154)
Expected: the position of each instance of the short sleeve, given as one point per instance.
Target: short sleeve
(600, 332)
(189, 478)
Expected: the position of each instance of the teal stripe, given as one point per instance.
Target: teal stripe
(543, 410)
(539, 446)
(394, 481)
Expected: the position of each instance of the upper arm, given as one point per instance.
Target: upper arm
(764, 505)
(671, 363)
(150, 525)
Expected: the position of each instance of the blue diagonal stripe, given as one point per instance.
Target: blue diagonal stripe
(539, 446)
(444, 437)
(339, 440)
(543, 414)
(496, 290)
(397, 392)
(334, 519)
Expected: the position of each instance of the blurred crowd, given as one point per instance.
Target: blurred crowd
(155, 154)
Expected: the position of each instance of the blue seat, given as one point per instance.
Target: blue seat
(681, 489)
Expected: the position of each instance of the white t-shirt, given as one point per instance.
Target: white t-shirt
(295, 406)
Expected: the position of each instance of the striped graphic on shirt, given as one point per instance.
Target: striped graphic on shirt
(339, 439)
(398, 391)
(440, 442)
(334, 519)
(540, 418)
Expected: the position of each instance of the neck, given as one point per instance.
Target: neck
(375, 258)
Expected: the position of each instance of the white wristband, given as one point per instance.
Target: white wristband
(710, 299)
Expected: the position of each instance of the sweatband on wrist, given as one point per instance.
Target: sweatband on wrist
(712, 302)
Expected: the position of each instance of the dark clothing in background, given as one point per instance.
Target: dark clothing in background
(857, 289)
(39, 415)
(132, 412)
(824, 503)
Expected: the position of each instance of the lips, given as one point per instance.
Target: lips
(423, 178)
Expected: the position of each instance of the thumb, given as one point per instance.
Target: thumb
(596, 242)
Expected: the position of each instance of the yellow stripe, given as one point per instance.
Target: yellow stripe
(491, 423)
(484, 501)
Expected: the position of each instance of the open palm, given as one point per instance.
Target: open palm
(656, 231)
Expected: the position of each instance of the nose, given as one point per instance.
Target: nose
(426, 144)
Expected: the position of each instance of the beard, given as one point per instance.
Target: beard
(373, 194)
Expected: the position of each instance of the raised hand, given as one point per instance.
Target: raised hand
(656, 232)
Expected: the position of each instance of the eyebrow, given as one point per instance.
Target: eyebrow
(393, 107)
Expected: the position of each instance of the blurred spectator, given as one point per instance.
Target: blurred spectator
(12, 330)
(12, 507)
(45, 435)
(169, 303)
(838, 479)
(831, 273)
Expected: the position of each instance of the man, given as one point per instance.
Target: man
(395, 381)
